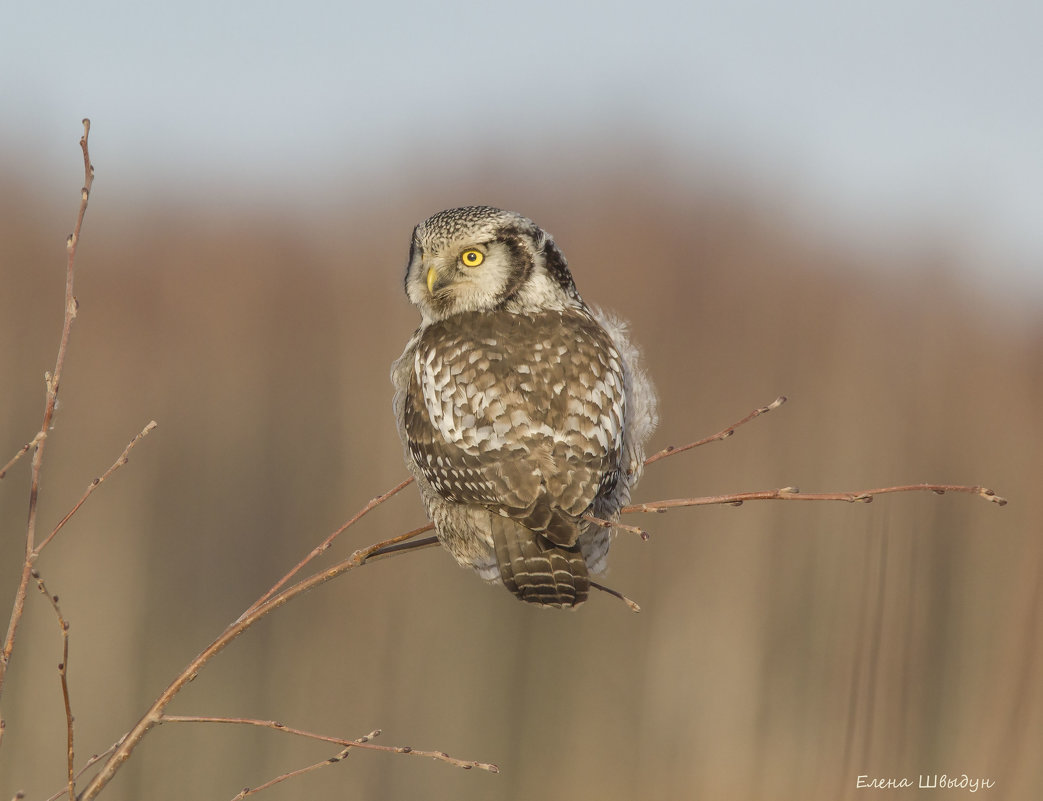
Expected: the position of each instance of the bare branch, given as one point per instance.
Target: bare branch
(20, 453)
(794, 494)
(63, 672)
(333, 760)
(53, 381)
(724, 433)
(95, 759)
(122, 460)
(363, 742)
(326, 543)
(339, 757)
(409, 544)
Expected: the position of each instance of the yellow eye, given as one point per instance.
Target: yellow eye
(472, 257)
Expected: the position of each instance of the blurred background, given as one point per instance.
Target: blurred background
(836, 203)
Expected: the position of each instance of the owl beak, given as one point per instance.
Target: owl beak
(432, 276)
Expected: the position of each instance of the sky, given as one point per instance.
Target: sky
(880, 117)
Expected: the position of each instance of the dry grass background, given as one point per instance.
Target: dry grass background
(784, 648)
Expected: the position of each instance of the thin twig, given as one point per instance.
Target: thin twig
(97, 482)
(326, 543)
(333, 760)
(724, 433)
(95, 759)
(339, 757)
(154, 714)
(63, 672)
(794, 494)
(466, 764)
(409, 544)
(21, 452)
(53, 381)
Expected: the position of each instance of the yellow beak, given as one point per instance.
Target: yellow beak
(431, 277)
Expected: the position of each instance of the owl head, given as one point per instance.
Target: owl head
(479, 258)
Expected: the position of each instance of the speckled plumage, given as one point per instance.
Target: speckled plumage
(521, 409)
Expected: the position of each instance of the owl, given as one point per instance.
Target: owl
(523, 411)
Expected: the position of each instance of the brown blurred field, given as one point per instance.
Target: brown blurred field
(784, 648)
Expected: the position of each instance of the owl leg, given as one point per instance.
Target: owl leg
(537, 570)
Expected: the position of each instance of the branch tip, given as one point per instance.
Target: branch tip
(723, 434)
(793, 494)
(989, 495)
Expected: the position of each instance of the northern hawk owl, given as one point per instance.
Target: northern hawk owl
(522, 409)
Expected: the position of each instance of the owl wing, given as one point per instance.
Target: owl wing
(521, 414)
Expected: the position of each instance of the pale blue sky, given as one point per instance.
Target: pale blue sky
(881, 116)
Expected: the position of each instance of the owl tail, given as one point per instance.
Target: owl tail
(537, 570)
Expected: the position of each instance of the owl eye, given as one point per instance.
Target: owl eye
(472, 257)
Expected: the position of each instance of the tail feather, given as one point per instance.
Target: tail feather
(537, 570)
